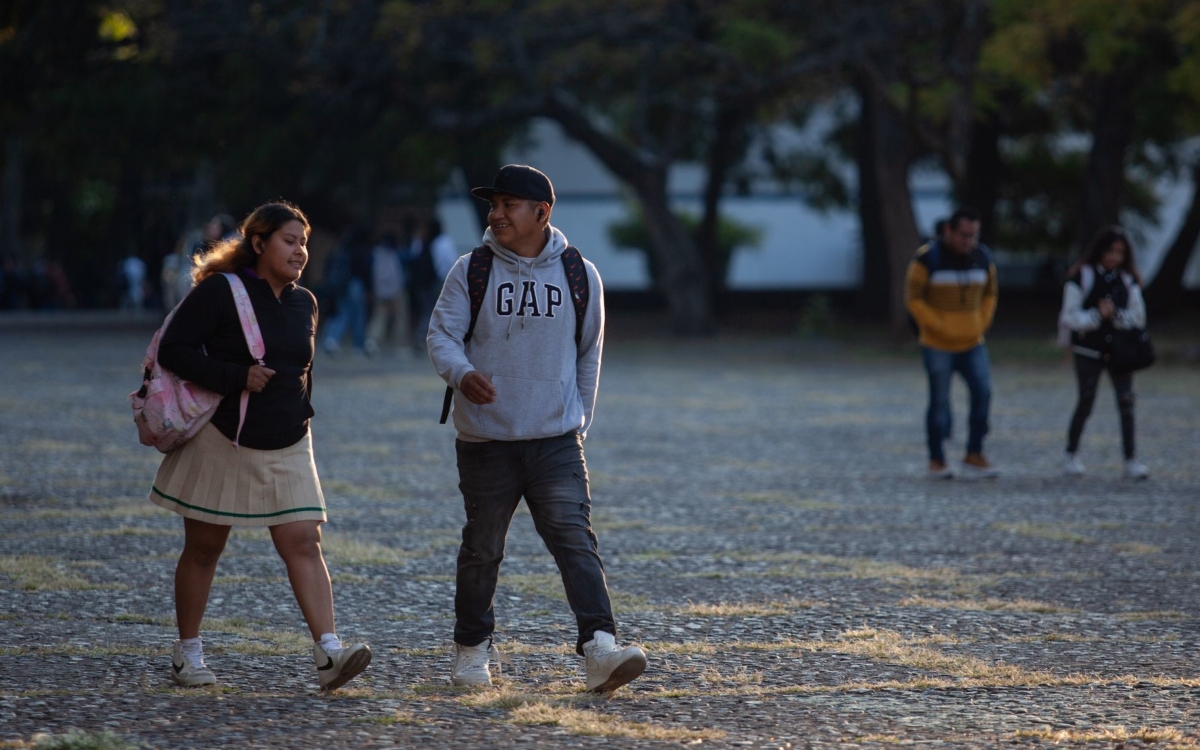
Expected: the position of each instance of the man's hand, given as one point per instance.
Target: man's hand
(477, 388)
(257, 378)
(1107, 308)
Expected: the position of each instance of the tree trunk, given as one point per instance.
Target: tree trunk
(1104, 176)
(479, 160)
(684, 281)
(1165, 292)
(723, 152)
(981, 187)
(11, 190)
(889, 229)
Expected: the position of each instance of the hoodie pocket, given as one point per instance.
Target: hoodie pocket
(523, 408)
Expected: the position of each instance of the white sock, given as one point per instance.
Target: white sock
(193, 649)
(330, 643)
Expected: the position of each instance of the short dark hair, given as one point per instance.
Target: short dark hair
(961, 213)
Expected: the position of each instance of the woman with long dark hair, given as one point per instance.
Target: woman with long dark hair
(1103, 293)
(260, 472)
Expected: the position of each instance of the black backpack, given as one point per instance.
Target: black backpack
(479, 270)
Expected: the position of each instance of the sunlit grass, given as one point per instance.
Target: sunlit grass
(1117, 735)
(33, 573)
(986, 605)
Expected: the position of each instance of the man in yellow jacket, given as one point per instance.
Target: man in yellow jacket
(950, 291)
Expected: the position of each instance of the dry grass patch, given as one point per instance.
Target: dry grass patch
(262, 641)
(594, 724)
(33, 573)
(788, 564)
(1116, 734)
(550, 586)
(1059, 637)
(745, 609)
(988, 605)
(739, 676)
(1162, 614)
(1136, 548)
(1043, 531)
(407, 718)
(891, 647)
(353, 552)
(55, 446)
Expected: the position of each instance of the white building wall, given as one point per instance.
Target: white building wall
(801, 248)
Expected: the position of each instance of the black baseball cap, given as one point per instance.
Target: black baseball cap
(519, 180)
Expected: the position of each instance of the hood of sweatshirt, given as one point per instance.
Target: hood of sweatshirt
(526, 268)
(524, 342)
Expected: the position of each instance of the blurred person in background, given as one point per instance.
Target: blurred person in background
(950, 291)
(133, 281)
(1103, 293)
(350, 283)
(389, 312)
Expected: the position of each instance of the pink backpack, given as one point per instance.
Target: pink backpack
(169, 410)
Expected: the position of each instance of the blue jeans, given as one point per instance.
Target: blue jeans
(551, 475)
(351, 313)
(975, 368)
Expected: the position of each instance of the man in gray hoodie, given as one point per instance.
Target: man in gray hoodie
(524, 393)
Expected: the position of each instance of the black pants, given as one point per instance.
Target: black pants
(1087, 372)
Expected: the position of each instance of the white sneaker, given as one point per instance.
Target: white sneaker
(1135, 469)
(1072, 466)
(337, 667)
(471, 664)
(609, 667)
(189, 673)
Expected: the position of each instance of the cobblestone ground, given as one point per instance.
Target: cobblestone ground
(768, 532)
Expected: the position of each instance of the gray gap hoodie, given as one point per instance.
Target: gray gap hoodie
(524, 340)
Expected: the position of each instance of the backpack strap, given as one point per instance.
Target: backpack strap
(254, 340)
(577, 282)
(933, 255)
(479, 270)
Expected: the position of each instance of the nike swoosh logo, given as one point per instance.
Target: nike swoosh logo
(178, 667)
(328, 664)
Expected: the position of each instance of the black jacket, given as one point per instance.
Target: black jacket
(1106, 285)
(205, 344)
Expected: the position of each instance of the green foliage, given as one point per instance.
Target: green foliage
(631, 234)
(816, 318)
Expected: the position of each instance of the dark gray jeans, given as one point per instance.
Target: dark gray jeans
(551, 475)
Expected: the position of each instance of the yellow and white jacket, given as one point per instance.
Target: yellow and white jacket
(952, 297)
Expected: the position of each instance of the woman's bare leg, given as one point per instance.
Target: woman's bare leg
(299, 544)
(202, 546)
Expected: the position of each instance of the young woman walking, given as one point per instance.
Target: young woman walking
(261, 472)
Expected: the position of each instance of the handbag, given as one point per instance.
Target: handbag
(1131, 350)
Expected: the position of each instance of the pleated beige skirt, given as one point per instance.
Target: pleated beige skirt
(209, 480)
